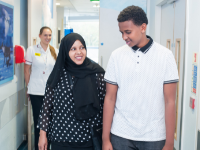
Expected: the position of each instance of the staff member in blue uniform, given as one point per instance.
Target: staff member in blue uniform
(40, 60)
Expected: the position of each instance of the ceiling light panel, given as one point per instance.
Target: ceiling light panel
(65, 3)
(83, 6)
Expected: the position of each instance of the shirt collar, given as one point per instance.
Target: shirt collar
(39, 46)
(145, 48)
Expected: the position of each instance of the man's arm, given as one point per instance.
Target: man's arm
(170, 114)
(108, 112)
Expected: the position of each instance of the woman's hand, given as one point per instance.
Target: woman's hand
(27, 69)
(28, 97)
(42, 144)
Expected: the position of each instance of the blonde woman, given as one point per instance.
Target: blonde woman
(40, 60)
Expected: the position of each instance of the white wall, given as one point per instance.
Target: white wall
(13, 118)
(41, 16)
(36, 19)
(192, 45)
(109, 35)
(60, 21)
(60, 16)
(154, 18)
(151, 18)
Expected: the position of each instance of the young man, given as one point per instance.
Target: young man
(141, 76)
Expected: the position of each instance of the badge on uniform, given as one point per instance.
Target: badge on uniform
(37, 54)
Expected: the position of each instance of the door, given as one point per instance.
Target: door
(173, 36)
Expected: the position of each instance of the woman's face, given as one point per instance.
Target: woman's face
(45, 37)
(77, 53)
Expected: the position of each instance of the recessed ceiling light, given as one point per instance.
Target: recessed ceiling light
(57, 3)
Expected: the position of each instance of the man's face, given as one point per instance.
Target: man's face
(4, 24)
(131, 33)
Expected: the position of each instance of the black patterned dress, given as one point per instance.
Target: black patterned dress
(57, 113)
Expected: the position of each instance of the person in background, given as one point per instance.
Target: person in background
(40, 60)
(141, 80)
(74, 97)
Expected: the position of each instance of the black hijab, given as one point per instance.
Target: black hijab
(85, 93)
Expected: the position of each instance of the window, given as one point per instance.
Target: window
(90, 32)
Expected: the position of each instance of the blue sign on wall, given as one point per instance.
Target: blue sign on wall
(194, 79)
(67, 31)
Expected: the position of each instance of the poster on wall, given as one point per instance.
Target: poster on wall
(194, 73)
(6, 43)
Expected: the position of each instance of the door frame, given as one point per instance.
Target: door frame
(158, 18)
(197, 101)
(29, 102)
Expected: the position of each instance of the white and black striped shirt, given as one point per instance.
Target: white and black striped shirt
(140, 74)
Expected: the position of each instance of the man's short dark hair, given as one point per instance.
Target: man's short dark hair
(134, 13)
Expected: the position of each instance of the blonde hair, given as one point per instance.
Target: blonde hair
(52, 50)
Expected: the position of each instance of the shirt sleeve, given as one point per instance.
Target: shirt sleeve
(102, 89)
(102, 93)
(110, 75)
(171, 72)
(28, 57)
(45, 116)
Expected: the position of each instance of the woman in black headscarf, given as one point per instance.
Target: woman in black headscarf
(73, 100)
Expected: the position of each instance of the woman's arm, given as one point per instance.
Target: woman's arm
(27, 70)
(102, 89)
(45, 112)
(45, 117)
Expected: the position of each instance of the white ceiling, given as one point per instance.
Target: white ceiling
(79, 7)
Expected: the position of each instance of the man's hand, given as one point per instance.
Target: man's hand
(107, 145)
(168, 147)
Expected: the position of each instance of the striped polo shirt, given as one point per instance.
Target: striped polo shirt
(140, 74)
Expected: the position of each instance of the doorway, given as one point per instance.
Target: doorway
(173, 18)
